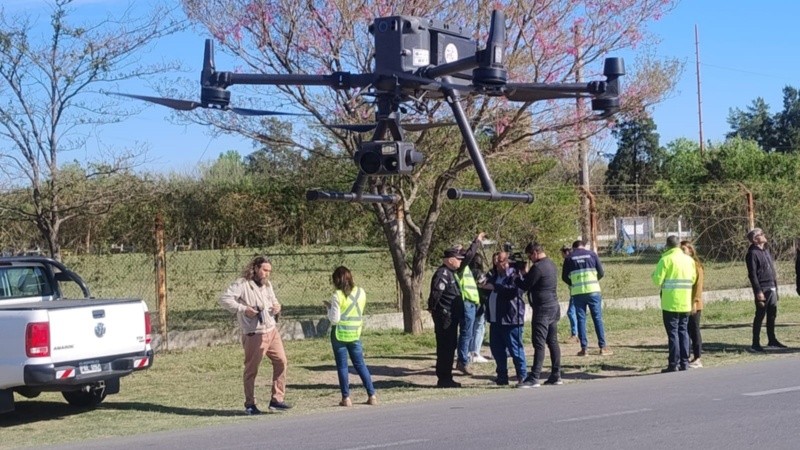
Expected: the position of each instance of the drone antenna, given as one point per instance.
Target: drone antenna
(208, 63)
(491, 62)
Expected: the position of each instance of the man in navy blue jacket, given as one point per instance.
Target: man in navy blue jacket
(506, 316)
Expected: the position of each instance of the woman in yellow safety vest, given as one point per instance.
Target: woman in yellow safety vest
(346, 314)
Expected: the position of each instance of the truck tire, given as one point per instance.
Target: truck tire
(85, 398)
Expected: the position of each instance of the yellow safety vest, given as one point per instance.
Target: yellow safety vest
(351, 312)
(584, 281)
(675, 274)
(469, 288)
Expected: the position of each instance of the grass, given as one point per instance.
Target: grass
(196, 388)
(301, 277)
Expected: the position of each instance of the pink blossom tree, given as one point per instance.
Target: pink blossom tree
(547, 41)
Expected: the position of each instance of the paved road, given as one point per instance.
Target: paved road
(739, 406)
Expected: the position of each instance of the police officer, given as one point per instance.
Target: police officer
(446, 307)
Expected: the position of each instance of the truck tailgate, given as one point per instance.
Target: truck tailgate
(96, 330)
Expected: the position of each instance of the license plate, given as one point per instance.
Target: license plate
(90, 367)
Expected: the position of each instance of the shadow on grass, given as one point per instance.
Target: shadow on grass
(377, 370)
(153, 407)
(429, 357)
(32, 411)
(28, 412)
(730, 326)
(578, 372)
(379, 384)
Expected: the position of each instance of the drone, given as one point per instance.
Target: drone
(414, 58)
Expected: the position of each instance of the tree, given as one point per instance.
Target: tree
(772, 132)
(286, 36)
(639, 158)
(49, 104)
(755, 124)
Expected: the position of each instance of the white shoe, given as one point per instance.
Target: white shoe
(696, 364)
(477, 358)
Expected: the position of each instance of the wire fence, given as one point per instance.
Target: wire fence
(632, 226)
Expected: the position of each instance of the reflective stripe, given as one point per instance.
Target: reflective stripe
(583, 281)
(677, 284)
(351, 317)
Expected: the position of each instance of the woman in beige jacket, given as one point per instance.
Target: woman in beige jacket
(697, 307)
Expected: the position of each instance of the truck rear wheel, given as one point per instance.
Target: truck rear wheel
(87, 397)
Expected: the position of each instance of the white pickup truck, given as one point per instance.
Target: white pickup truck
(79, 347)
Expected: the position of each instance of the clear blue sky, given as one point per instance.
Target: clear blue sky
(747, 50)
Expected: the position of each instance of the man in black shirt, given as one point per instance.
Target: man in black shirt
(446, 307)
(764, 280)
(540, 282)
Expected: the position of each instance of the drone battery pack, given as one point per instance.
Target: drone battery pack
(407, 43)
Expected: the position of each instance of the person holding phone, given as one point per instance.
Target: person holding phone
(346, 314)
(253, 301)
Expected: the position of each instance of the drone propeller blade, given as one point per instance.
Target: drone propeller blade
(366, 127)
(259, 112)
(425, 126)
(180, 105)
(355, 127)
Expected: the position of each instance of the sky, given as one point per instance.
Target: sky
(746, 51)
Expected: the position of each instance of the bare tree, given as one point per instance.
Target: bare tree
(50, 103)
(317, 37)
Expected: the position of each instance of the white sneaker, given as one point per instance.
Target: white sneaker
(477, 358)
(696, 364)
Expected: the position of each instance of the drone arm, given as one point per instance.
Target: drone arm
(337, 80)
(350, 197)
(460, 65)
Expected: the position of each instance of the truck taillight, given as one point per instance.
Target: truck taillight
(148, 335)
(37, 339)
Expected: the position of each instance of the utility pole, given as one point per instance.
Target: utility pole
(583, 154)
(699, 96)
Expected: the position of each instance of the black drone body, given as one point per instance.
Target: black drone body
(414, 58)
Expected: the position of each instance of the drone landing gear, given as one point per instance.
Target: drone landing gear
(489, 190)
(356, 194)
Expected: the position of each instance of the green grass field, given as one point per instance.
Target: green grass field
(202, 387)
(302, 279)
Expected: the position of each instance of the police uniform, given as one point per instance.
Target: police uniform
(445, 305)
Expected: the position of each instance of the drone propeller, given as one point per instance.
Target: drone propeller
(366, 127)
(188, 105)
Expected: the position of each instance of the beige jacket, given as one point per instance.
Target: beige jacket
(243, 293)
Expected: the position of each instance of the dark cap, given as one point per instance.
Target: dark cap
(454, 252)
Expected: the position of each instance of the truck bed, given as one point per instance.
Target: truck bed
(64, 303)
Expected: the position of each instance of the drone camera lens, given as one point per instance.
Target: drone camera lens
(370, 163)
(390, 163)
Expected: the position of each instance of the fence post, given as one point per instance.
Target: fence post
(751, 209)
(592, 238)
(161, 280)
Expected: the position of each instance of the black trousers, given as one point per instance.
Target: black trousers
(770, 310)
(446, 340)
(544, 327)
(694, 334)
(676, 325)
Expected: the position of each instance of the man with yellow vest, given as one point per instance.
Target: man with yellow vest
(582, 272)
(471, 300)
(346, 314)
(676, 274)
